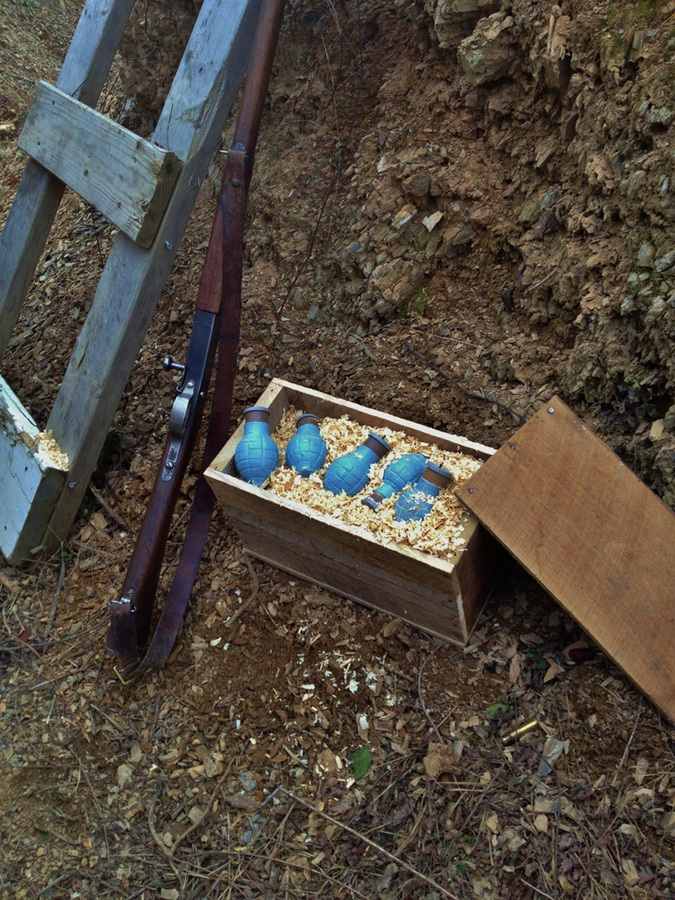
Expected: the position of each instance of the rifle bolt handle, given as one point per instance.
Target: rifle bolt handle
(168, 364)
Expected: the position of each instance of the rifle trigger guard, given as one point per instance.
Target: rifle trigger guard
(177, 422)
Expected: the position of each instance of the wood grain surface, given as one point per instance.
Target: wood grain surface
(126, 178)
(593, 535)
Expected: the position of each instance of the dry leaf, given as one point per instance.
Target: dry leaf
(439, 759)
(492, 822)
(124, 775)
(630, 874)
(553, 670)
(641, 768)
(515, 669)
(541, 823)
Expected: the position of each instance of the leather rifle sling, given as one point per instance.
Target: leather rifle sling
(222, 296)
(219, 422)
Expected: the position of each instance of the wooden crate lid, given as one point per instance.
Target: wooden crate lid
(593, 535)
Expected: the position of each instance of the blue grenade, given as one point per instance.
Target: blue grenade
(349, 474)
(416, 501)
(398, 475)
(256, 456)
(306, 451)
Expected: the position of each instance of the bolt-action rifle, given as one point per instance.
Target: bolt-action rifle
(215, 328)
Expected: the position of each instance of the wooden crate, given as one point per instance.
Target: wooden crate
(443, 597)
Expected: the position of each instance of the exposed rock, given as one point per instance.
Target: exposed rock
(646, 255)
(666, 262)
(490, 52)
(556, 59)
(453, 20)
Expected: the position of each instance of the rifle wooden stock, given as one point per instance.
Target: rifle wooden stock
(140, 585)
(217, 320)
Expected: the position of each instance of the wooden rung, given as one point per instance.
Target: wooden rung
(32, 475)
(126, 178)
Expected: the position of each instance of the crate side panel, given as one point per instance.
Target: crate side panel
(269, 510)
(476, 572)
(432, 611)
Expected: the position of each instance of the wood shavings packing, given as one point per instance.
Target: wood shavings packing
(47, 449)
(438, 534)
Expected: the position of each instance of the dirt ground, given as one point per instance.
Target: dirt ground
(298, 744)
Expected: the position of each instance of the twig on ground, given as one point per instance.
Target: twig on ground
(536, 889)
(629, 742)
(254, 593)
(407, 840)
(371, 844)
(57, 594)
(48, 888)
(117, 517)
(421, 696)
(199, 821)
(460, 387)
(53, 680)
(166, 851)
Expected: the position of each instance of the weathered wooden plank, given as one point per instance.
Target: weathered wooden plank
(476, 571)
(83, 73)
(442, 596)
(31, 478)
(190, 126)
(363, 582)
(400, 560)
(593, 535)
(278, 512)
(126, 178)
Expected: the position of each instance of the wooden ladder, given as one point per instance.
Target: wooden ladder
(147, 189)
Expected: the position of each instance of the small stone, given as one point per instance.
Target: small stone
(430, 222)
(418, 185)
(248, 780)
(553, 749)
(655, 434)
(655, 310)
(403, 216)
(665, 262)
(124, 775)
(646, 255)
(662, 116)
